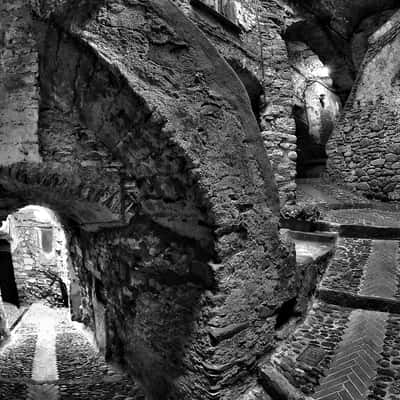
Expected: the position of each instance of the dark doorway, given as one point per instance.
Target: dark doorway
(8, 285)
(311, 156)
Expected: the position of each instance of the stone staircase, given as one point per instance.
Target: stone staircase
(348, 347)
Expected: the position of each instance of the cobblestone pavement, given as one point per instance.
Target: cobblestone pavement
(309, 352)
(381, 272)
(355, 363)
(346, 269)
(51, 358)
(348, 347)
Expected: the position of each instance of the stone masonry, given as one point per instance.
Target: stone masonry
(142, 118)
(261, 51)
(18, 85)
(40, 268)
(364, 150)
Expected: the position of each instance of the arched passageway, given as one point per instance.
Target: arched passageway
(39, 257)
(318, 92)
(40, 292)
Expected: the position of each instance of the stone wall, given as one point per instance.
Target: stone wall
(259, 49)
(19, 90)
(186, 292)
(40, 268)
(363, 152)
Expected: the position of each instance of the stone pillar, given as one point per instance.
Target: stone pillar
(277, 123)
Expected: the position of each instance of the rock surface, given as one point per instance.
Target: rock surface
(142, 122)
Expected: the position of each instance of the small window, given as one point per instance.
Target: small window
(46, 237)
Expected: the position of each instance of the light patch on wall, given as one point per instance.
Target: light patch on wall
(323, 72)
(41, 214)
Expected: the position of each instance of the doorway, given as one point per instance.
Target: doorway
(8, 285)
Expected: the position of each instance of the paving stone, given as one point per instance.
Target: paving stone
(381, 274)
(19, 351)
(365, 361)
(322, 329)
(44, 363)
(345, 270)
(79, 373)
(358, 351)
(42, 392)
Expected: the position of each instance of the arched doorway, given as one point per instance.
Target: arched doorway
(37, 257)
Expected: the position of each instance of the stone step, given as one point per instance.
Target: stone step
(363, 274)
(345, 299)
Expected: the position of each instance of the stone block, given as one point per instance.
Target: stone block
(378, 162)
(391, 157)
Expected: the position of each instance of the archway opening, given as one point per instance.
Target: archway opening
(8, 284)
(317, 107)
(37, 258)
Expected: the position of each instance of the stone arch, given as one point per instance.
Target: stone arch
(64, 189)
(317, 104)
(175, 287)
(63, 221)
(329, 48)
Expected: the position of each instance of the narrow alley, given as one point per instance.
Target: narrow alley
(49, 357)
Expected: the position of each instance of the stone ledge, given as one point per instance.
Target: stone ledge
(277, 386)
(344, 230)
(346, 299)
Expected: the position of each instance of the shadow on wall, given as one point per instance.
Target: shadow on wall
(252, 85)
(8, 286)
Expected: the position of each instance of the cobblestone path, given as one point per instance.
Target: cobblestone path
(51, 358)
(355, 362)
(381, 271)
(348, 347)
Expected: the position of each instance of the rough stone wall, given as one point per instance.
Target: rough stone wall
(363, 151)
(19, 89)
(188, 294)
(277, 121)
(264, 55)
(38, 273)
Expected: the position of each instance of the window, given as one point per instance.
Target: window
(46, 239)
